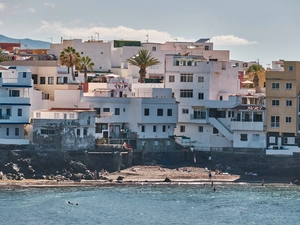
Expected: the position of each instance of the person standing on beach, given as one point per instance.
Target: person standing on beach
(209, 175)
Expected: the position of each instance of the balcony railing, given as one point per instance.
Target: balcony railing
(4, 117)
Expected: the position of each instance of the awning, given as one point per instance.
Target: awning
(247, 82)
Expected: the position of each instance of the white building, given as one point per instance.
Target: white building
(15, 83)
(203, 89)
(97, 50)
(147, 117)
(68, 125)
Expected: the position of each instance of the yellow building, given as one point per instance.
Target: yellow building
(282, 104)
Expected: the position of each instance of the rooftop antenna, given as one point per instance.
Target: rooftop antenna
(91, 37)
(50, 39)
(147, 37)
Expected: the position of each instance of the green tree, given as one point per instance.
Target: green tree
(85, 64)
(255, 70)
(69, 58)
(143, 60)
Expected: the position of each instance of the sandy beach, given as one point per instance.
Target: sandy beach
(151, 175)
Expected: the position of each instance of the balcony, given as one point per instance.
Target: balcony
(5, 117)
(247, 125)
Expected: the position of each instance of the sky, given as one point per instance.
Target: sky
(264, 30)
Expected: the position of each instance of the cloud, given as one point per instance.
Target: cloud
(49, 4)
(32, 10)
(106, 33)
(2, 7)
(230, 40)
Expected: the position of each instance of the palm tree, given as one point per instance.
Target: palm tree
(85, 63)
(143, 60)
(69, 58)
(255, 70)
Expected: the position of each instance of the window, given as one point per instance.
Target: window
(50, 80)
(117, 111)
(124, 109)
(206, 47)
(182, 128)
(42, 80)
(38, 115)
(275, 85)
(288, 102)
(143, 128)
(169, 113)
(85, 131)
(200, 129)
(221, 98)
(17, 131)
(146, 112)
(46, 96)
(171, 78)
(59, 80)
(72, 115)
(0, 74)
(288, 86)
(65, 116)
(7, 131)
(160, 112)
(24, 74)
(189, 63)
(186, 77)
(201, 96)
(154, 128)
(215, 131)
(199, 114)
(186, 93)
(275, 102)
(8, 112)
(153, 48)
(56, 115)
(185, 111)
(244, 137)
(47, 131)
(14, 93)
(163, 128)
(275, 121)
(19, 112)
(106, 110)
(200, 79)
(288, 119)
(78, 132)
(272, 140)
(289, 140)
(291, 68)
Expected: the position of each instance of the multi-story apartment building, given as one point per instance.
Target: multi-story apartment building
(282, 103)
(145, 117)
(15, 83)
(48, 76)
(207, 113)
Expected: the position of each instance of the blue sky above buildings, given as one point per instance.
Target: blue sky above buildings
(266, 30)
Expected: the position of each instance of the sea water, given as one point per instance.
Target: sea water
(152, 204)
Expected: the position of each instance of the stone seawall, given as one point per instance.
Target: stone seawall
(19, 164)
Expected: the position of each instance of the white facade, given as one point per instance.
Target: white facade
(15, 83)
(98, 51)
(140, 117)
